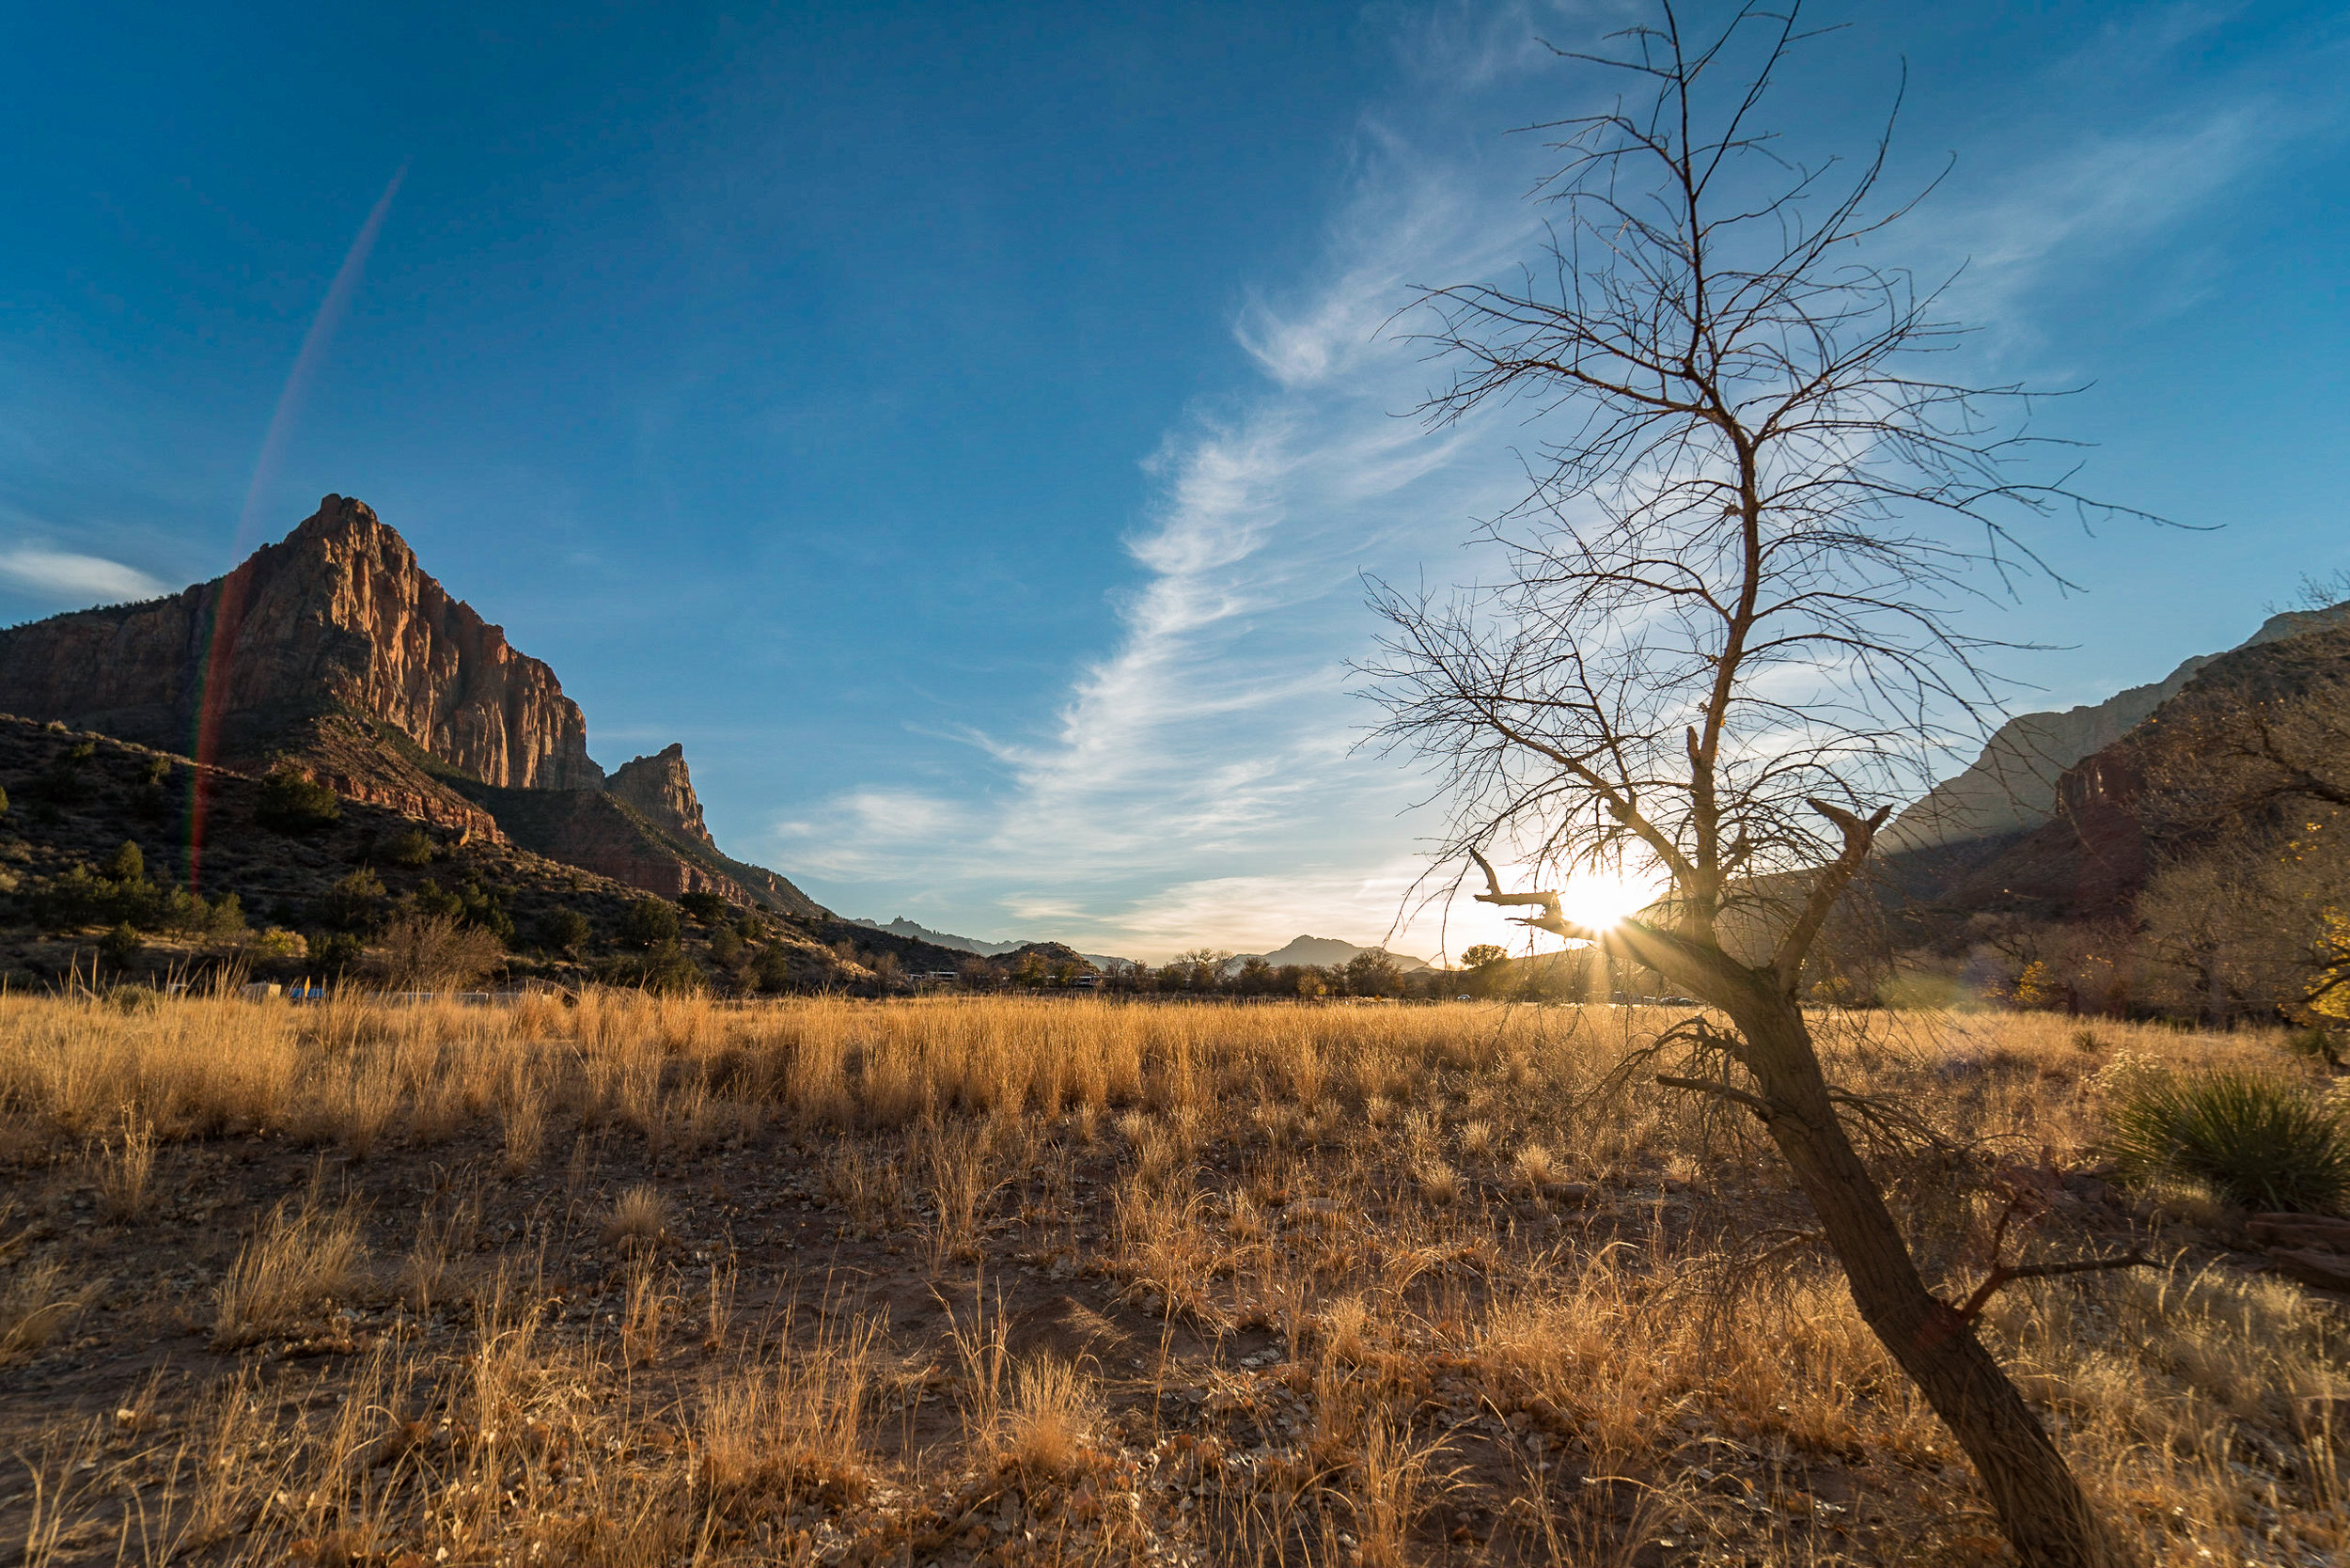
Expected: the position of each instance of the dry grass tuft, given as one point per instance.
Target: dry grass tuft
(639, 1220)
(126, 1165)
(295, 1263)
(35, 1303)
(1054, 1413)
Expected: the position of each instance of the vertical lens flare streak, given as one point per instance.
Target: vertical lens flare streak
(226, 611)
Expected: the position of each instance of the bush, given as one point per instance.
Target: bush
(351, 903)
(2255, 1141)
(334, 951)
(566, 930)
(709, 908)
(121, 946)
(433, 952)
(411, 848)
(648, 923)
(431, 903)
(292, 802)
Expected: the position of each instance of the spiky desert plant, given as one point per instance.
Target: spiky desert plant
(2256, 1141)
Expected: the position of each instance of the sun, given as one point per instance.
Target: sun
(1600, 899)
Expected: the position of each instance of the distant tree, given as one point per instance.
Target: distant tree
(980, 974)
(566, 930)
(122, 945)
(434, 952)
(434, 902)
(409, 847)
(127, 864)
(1030, 969)
(775, 969)
(725, 948)
(708, 908)
(1485, 955)
(1375, 973)
(355, 901)
(667, 970)
(292, 802)
(650, 922)
(334, 952)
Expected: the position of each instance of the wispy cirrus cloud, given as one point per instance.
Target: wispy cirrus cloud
(65, 577)
(1203, 780)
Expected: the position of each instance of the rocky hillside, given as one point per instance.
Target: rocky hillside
(2174, 777)
(2011, 786)
(334, 652)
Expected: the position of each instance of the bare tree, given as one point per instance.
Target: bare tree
(1725, 641)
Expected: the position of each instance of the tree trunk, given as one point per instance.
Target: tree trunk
(2041, 1507)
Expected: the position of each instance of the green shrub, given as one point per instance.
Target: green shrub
(2257, 1142)
(411, 848)
(292, 802)
(332, 952)
(121, 946)
(433, 903)
(2315, 1044)
(650, 922)
(355, 901)
(566, 930)
(709, 908)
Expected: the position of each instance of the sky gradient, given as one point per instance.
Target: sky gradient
(963, 426)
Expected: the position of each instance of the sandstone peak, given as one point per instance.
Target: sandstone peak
(337, 616)
(662, 788)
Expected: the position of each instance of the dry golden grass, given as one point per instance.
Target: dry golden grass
(1071, 1281)
(294, 1262)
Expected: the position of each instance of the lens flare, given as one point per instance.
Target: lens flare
(226, 611)
(1601, 899)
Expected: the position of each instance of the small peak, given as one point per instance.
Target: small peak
(339, 516)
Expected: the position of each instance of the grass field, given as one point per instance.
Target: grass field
(642, 1281)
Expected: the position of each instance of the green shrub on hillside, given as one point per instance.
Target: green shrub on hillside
(709, 908)
(431, 902)
(123, 947)
(648, 923)
(355, 901)
(292, 802)
(413, 847)
(566, 930)
(2257, 1142)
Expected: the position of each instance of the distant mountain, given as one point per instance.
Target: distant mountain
(2011, 786)
(903, 927)
(333, 652)
(1323, 953)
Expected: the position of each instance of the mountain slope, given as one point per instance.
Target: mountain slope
(2011, 784)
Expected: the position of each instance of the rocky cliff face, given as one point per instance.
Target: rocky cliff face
(333, 651)
(660, 786)
(2013, 785)
(336, 615)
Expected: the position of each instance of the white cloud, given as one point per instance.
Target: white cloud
(66, 577)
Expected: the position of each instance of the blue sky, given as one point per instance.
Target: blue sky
(963, 426)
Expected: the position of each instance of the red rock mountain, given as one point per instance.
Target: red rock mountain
(332, 649)
(660, 786)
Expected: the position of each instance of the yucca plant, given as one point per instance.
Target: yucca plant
(2256, 1141)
